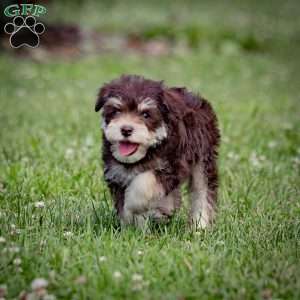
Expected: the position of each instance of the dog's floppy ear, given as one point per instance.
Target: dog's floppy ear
(172, 100)
(175, 99)
(101, 98)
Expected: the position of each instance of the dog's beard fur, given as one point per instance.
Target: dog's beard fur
(144, 137)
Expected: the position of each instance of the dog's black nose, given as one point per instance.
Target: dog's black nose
(126, 130)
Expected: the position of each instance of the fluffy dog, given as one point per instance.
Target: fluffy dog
(154, 139)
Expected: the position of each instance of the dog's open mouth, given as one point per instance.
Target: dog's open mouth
(127, 148)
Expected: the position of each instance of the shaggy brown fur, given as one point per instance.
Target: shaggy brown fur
(188, 153)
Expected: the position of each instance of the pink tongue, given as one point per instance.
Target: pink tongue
(127, 148)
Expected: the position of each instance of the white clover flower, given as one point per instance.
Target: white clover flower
(69, 153)
(25, 159)
(102, 258)
(14, 249)
(233, 156)
(89, 141)
(17, 261)
(39, 283)
(2, 240)
(296, 161)
(137, 277)
(262, 158)
(68, 234)
(222, 243)
(225, 139)
(15, 231)
(140, 252)
(117, 274)
(287, 126)
(80, 280)
(138, 282)
(230, 154)
(277, 169)
(272, 144)
(21, 92)
(39, 204)
(254, 160)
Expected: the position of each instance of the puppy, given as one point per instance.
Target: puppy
(154, 139)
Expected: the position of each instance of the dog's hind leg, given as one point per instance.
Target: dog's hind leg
(203, 189)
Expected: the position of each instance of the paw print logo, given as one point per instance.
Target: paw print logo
(24, 32)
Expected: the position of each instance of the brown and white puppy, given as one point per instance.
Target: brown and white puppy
(155, 138)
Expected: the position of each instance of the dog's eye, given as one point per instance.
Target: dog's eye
(116, 111)
(146, 114)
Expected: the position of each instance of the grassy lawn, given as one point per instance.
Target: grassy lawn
(50, 147)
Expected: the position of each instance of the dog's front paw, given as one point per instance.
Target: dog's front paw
(127, 217)
(140, 221)
(141, 192)
(198, 223)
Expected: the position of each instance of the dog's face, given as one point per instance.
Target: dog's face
(133, 117)
(132, 130)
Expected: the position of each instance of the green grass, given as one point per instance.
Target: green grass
(50, 151)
